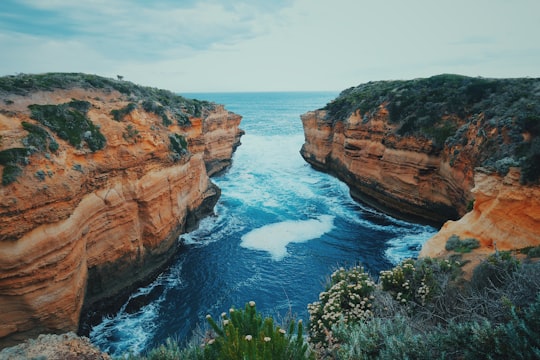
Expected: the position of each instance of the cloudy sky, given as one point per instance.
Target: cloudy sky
(270, 45)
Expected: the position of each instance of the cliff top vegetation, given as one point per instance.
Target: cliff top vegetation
(443, 107)
(24, 84)
(70, 121)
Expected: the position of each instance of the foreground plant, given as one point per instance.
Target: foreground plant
(348, 298)
(244, 334)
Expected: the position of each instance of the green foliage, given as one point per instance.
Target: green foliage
(482, 319)
(247, 335)
(10, 174)
(179, 107)
(69, 122)
(178, 145)
(119, 114)
(441, 108)
(11, 159)
(348, 298)
(396, 338)
(378, 338)
(531, 251)
(417, 280)
(154, 107)
(461, 246)
(495, 271)
(131, 133)
(39, 139)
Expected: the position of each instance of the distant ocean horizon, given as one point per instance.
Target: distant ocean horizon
(280, 228)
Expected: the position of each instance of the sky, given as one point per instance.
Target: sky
(270, 45)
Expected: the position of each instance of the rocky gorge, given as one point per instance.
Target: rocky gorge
(99, 178)
(444, 148)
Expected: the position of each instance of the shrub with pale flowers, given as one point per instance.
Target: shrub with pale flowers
(415, 280)
(348, 298)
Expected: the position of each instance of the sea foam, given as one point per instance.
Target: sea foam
(274, 238)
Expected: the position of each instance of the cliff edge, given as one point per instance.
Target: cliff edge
(434, 149)
(99, 178)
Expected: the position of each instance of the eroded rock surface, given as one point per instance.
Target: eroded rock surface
(81, 222)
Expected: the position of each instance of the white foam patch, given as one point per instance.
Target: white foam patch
(408, 246)
(274, 238)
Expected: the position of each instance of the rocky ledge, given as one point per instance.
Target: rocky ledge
(99, 178)
(434, 149)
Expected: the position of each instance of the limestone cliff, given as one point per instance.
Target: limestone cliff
(412, 148)
(99, 178)
(505, 216)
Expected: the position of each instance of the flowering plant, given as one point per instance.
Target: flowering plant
(348, 298)
(415, 280)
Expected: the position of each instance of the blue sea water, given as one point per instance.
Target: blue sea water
(279, 229)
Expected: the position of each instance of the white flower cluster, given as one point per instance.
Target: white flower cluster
(348, 299)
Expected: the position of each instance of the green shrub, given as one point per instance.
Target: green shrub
(154, 107)
(390, 338)
(119, 114)
(495, 271)
(131, 133)
(10, 174)
(398, 338)
(178, 146)
(417, 280)
(11, 159)
(38, 138)
(69, 122)
(531, 251)
(244, 334)
(461, 246)
(348, 298)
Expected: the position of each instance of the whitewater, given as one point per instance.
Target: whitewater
(279, 229)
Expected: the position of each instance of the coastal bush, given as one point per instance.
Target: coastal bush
(495, 270)
(131, 133)
(461, 246)
(119, 114)
(441, 107)
(38, 138)
(419, 280)
(69, 122)
(348, 298)
(458, 320)
(398, 338)
(245, 334)
(11, 159)
(178, 146)
(154, 107)
(179, 107)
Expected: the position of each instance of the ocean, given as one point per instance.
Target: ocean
(280, 228)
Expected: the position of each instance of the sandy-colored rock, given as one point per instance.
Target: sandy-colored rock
(400, 175)
(66, 346)
(505, 216)
(95, 224)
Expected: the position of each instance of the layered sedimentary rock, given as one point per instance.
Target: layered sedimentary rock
(399, 175)
(82, 223)
(505, 216)
(430, 148)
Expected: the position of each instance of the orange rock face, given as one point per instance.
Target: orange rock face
(505, 216)
(399, 175)
(78, 227)
(405, 176)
